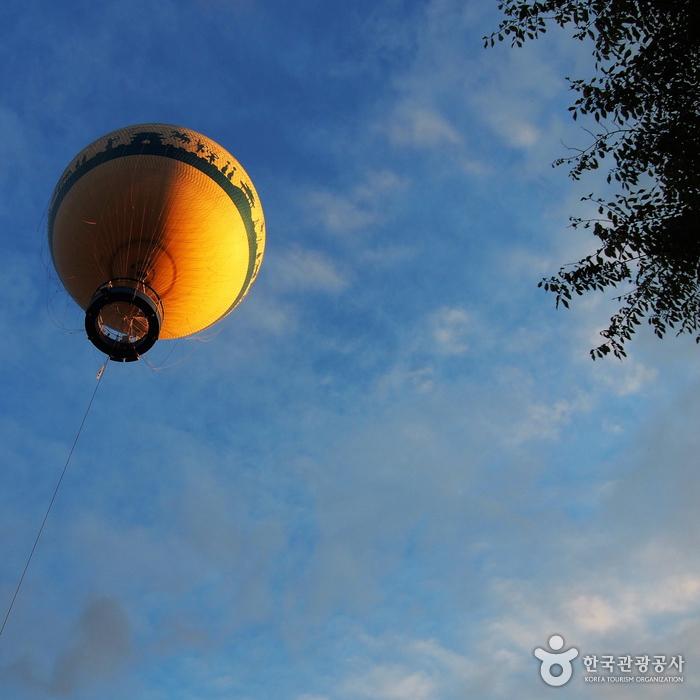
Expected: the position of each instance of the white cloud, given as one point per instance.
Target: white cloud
(338, 213)
(598, 605)
(399, 668)
(473, 166)
(457, 665)
(450, 330)
(391, 683)
(515, 101)
(594, 613)
(299, 269)
(627, 378)
(387, 255)
(261, 313)
(420, 126)
(506, 115)
(543, 421)
(15, 169)
(625, 605)
(376, 184)
(355, 209)
(515, 130)
(400, 376)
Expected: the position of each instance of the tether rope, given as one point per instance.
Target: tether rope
(100, 374)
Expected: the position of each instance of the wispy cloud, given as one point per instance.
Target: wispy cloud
(386, 476)
(353, 209)
(420, 126)
(338, 213)
(451, 329)
(391, 683)
(544, 421)
(297, 269)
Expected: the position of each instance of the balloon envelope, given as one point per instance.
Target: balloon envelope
(163, 210)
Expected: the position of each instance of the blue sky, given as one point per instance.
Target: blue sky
(393, 471)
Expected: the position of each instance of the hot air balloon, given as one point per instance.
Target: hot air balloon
(156, 231)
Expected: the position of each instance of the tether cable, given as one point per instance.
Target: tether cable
(100, 374)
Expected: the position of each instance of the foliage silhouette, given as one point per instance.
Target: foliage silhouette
(645, 102)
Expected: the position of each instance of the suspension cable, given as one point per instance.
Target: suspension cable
(100, 374)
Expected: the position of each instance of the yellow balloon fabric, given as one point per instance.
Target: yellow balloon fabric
(164, 206)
